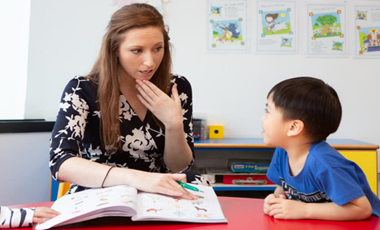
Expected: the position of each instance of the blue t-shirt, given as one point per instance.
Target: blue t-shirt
(327, 176)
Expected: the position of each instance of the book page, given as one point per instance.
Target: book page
(206, 209)
(93, 203)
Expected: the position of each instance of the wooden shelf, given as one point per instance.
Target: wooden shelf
(258, 143)
(221, 150)
(234, 187)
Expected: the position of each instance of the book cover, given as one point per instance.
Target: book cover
(127, 201)
(249, 166)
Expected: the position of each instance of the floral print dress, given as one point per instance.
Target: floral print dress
(76, 131)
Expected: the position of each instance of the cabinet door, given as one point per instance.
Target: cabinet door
(367, 161)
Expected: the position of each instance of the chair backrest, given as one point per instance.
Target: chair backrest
(62, 189)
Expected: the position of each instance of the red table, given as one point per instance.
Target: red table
(241, 213)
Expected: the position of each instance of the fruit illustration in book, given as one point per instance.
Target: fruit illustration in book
(153, 210)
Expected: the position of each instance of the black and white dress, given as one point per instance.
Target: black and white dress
(77, 131)
(16, 217)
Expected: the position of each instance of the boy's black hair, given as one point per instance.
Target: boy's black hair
(312, 101)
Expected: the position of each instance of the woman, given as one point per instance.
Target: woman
(129, 116)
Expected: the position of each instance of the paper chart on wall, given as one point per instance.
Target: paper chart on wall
(326, 30)
(276, 27)
(226, 26)
(366, 29)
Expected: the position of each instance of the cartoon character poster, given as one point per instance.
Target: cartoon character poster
(326, 30)
(227, 26)
(226, 32)
(367, 29)
(276, 27)
(326, 25)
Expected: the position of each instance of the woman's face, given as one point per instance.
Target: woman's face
(141, 52)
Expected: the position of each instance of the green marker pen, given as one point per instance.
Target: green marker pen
(189, 186)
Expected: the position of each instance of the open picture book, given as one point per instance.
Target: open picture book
(127, 201)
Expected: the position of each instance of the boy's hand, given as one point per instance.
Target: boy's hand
(268, 199)
(42, 213)
(281, 208)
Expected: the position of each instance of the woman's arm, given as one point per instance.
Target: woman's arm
(177, 153)
(94, 174)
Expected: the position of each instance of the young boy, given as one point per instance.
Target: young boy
(300, 114)
(24, 217)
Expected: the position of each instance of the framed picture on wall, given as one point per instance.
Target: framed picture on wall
(226, 26)
(366, 16)
(276, 27)
(326, 30)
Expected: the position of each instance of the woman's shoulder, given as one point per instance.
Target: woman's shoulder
(77, 80)
(179, 79)
(181, 82)
(81, 82)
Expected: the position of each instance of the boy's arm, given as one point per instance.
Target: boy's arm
(357, 209)
(279, 190)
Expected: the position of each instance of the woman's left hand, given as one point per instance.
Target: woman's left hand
(167, 109)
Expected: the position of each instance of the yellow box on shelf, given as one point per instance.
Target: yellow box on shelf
(216, 132)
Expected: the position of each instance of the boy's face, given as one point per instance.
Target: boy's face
(275, 128)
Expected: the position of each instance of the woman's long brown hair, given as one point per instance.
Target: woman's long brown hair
(106, 69)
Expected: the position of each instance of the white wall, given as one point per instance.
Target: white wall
(24, 168)
(230, 88)
(14, 30)
(64, 41)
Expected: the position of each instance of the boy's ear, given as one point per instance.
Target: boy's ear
(295, 128)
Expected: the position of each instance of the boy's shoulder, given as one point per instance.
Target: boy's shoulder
(325, 156)
(321, 154)
(322, 147)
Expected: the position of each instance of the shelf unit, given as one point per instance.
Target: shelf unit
(216, 152)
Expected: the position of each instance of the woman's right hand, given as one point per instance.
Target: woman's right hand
(159, 183)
